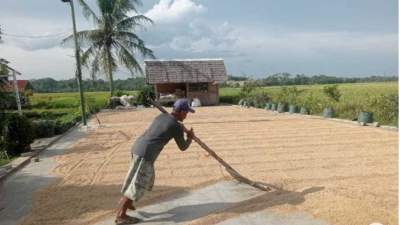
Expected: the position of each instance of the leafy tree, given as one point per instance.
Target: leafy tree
(114, 40)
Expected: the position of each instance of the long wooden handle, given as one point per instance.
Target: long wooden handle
(235, 174)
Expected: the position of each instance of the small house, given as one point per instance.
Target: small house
(24, 86)
(187, 78)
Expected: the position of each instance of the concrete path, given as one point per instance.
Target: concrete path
(195, 204)
(16, 191)
(263, 218)
(212, 199)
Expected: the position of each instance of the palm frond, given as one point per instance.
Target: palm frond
(106, 7)
(132, 22)
(83, 36)
(132, 41)
(95, 67)
(87, 54)
(106, 59)
(125, 6)
(88, 12)
(126, 57)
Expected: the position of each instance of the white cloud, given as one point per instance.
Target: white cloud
(170, 11)
(56, 62)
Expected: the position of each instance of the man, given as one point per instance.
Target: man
(140, 177)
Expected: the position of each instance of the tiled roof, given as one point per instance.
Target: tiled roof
(185, 71)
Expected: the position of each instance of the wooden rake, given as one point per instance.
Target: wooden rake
(235, 174)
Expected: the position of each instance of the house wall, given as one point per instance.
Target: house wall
(171, 88)
(210, 97)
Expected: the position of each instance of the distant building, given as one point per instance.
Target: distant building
(189, 78)
(24, 86)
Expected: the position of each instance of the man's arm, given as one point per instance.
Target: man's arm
(180, 139)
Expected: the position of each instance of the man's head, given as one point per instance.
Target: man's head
(181, 108)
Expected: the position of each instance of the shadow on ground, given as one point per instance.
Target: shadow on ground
(188, 213)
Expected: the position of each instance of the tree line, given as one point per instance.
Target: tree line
(48, 85)
(279, 79)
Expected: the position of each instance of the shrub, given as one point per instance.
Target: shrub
(229, 99)
(144, 95)
(258, 99)
(283, 95)
(8, 101)
(119, 93)
(44, 128)
(63, 126)
(17, 134)
(332, 92)
(312, 103)
(292, 95)
(246, 90)
(385, 108)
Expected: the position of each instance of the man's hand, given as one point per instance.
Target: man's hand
(190, 133)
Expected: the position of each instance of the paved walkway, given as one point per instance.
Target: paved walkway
(264, 218)
(17, 190)
(213, 199)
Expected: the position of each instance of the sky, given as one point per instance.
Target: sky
(346, 38)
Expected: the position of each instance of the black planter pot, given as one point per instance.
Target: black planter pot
(282, 107)
(293, 109)
(304, 111)
(365, 117)
(273, 106)
(329, 112)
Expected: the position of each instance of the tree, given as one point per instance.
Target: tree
(113, 41)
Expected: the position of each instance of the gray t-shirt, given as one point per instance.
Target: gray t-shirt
(164, 128)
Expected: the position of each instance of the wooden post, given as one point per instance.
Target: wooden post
(187, 90)
(156, 92)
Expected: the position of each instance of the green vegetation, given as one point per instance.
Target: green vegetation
(54, 113)
(17, 135)
(379, 98)
(49, 85)
(280, 79)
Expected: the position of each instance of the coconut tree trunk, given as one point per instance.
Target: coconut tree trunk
(110, 75)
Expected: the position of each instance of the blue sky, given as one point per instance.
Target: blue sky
(255, 38)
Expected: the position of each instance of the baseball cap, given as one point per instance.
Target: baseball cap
(182, 105)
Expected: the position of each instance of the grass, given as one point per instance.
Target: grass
(355, 97)
(65, 106)
(4, 161)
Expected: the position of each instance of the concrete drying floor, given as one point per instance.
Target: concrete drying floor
(328, 172)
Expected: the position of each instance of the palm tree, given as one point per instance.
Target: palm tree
(112, 42)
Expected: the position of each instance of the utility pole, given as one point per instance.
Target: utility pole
(78, 63)
(17, 93)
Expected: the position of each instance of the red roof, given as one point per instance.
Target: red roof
(9, 86)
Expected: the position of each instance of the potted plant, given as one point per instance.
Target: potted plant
(274, 107)
(283, 97)
(365, 116)
(333, 94)
(293, 94)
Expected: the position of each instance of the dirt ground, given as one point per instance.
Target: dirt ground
(339, 172)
